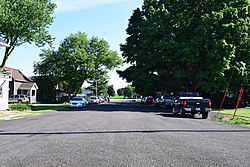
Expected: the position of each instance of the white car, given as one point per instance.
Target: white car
(93, 100)
(77, 102)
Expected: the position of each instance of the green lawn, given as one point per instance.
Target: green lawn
(242, 116)
(35, 109)
(117, 97)
(241, 112)
(45, 108)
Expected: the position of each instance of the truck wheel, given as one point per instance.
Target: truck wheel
(204, 115)
(174, 111)
(182, 113)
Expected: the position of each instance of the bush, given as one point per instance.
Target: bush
(20, 107)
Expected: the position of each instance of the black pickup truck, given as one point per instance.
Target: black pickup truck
(192, 103)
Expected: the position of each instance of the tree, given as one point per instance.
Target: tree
(78, 59)
(101, 83)
(188, 45)
(25, 22)
(111, 91)
(47, 91)
(120, 92)
(128, 91)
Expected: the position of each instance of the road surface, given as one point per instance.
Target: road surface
(121, 133)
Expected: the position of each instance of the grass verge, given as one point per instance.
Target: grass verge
(45, 108)
(117, 97)
(27, 110)
(241, 112)
(241, 118)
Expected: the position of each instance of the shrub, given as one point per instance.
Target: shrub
(20, 107)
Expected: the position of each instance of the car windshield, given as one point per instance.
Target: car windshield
(168, 97)
(93, 97)
(76, 99)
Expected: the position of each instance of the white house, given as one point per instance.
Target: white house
(5, 78)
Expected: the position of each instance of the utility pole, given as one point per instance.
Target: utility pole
(96, 88)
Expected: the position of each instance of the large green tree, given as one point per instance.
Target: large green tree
(77, 59)
(25, 21)
(120, 92)
(194, 45)
(128, 91)
(111, 90)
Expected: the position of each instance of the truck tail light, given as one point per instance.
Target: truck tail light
(185, 103)
(210, 104)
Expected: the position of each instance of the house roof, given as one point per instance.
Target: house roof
(3, 44)
(28, 85)
(17, 75)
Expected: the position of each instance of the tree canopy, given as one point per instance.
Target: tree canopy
(127, 91)
(120, 91)
(77, 59)
(188, 46)
(25, 21)
(111, 90)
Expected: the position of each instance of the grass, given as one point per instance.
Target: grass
(46, 108)
(241, 112)
(19, 106)
(242, 116)
(27, 110)
(117, 97)
(38, 108)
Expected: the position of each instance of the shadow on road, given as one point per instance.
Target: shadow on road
(125, 132)
(130, 106)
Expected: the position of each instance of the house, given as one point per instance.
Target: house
(5, 78)
(20, 84)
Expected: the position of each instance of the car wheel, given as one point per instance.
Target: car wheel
(204, 115)
(174, 111)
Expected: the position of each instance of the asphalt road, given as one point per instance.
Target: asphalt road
(121, 134)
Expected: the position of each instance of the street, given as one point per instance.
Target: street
(121, 133)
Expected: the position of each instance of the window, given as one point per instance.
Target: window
(19, 91)
(33, 92)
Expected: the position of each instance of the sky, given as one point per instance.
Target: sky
(107, 19)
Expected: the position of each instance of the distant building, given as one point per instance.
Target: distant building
(20, 84)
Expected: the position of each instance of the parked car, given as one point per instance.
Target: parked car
(143, 99)
(157, 102)
(167, 101)
(102, 99)
(147, 100)
(94, 100)
(77, 102)
(18, 99)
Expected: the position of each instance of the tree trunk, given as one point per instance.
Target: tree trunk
(8, 51)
